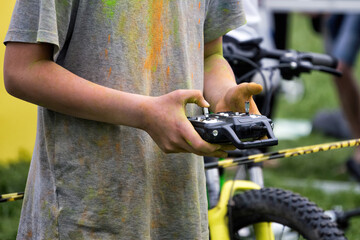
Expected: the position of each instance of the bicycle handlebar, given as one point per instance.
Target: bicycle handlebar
(299, 62)
(292, 63)
(320, 59)
(317, 59)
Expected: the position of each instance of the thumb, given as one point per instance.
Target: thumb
(195, 96)
(249, 89)
(245, 91)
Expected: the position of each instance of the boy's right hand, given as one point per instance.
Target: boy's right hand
(166, 122)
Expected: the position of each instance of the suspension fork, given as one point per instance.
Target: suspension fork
(218, 216)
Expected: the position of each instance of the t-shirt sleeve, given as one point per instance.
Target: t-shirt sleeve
(40, 21)
(222, 16)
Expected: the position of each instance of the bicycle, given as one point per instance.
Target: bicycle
(343, 217)
(245, 208)
(248, 203)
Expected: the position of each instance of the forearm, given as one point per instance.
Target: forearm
(349, 94)
(49, 85)
(31, 75)
(220, 87)
(218, 80)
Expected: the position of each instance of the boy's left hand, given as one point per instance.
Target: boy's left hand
(235, 98)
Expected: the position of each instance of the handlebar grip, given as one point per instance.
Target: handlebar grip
(320, 59)
(272, 53)
(316, 59)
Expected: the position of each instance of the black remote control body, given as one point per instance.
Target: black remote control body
(243, 130)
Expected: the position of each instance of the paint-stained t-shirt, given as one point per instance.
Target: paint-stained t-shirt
(92, 180)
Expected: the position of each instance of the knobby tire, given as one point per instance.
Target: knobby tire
(284, 207)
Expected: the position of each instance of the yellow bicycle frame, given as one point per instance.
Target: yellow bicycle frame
(218, 219)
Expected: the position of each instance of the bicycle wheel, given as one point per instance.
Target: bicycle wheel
(299, 218)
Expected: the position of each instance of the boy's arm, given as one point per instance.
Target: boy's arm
(220, 88)
(31, 75)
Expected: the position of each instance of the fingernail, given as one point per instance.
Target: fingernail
(206, 103)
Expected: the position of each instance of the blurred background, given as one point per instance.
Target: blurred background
(17, 136)
(321, 177)
(17, 118)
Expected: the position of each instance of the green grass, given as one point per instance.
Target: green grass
(12, 179)
(320, 94)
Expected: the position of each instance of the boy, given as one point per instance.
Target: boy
(112, 79)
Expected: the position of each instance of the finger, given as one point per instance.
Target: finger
(227, 147)
(254, 88)
(198, 145)
(253, 107)
(218, 154)
(168, 146)
(248, 89)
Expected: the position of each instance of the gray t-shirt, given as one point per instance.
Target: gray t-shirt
(92, 180)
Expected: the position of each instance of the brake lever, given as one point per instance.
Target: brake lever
(292, 69)
(299, 67)
(308, 67)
